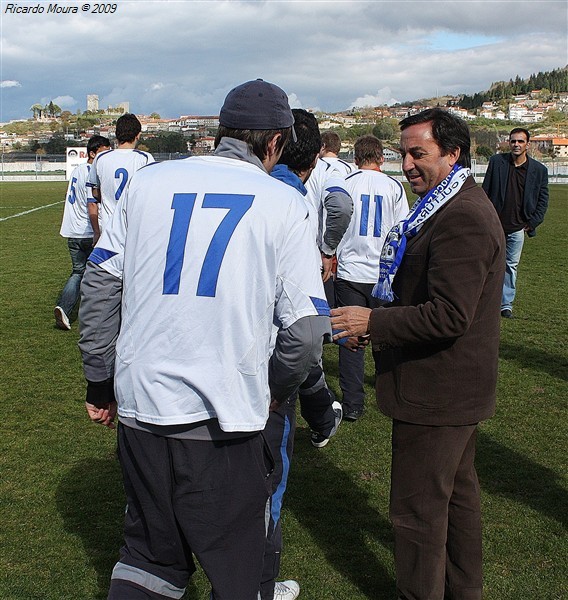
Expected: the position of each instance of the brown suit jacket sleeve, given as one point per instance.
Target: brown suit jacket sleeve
(443, 275)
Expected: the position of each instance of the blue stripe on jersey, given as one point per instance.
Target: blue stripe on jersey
(321, 306)
(142, 153)
(335, 188)
(100, 255)
(276, 504)
(400, 187)
(353, 175)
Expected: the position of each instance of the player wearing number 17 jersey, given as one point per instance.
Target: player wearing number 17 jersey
(112, 170)
(201, 259)
(379, 202)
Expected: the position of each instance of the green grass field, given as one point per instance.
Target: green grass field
(60, 489)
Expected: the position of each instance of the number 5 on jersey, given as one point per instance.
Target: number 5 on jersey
(183, 206)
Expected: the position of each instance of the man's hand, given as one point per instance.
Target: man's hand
(104, 416)
(352, 321)
(326, 267)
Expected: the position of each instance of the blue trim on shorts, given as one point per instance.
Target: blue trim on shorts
(276, 507)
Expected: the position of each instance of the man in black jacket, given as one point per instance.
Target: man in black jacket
(517, 185)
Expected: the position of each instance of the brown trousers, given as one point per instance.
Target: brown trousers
(435, 511)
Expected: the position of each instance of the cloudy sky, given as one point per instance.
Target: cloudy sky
(179, 57)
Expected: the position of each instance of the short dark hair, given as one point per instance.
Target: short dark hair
(367, 149)
(520, 130)
(127, 128)
(256, 139)
(95, 143)
(331, 141)
(449, 131)
(299, 156)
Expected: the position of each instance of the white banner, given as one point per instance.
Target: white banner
(74, 157)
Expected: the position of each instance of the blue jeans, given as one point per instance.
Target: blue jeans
(79, 250)
(515, 243)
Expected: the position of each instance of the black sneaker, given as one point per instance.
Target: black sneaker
(507, 313)
(318, 440)
(353, 414)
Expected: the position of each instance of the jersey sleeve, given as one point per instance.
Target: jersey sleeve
(109, 251)
(300, 290)
(93, 178)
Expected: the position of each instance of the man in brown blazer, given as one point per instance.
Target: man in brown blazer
(436, 348)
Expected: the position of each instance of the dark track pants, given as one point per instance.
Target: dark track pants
(352, 364)
(315, 402)
(185, 498)
(279, 435)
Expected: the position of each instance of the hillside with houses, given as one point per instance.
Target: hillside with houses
(491, 114)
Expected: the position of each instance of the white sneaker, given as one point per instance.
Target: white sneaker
(61, 319)
(286, 590)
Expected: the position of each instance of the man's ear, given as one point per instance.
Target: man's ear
(453, 156)
(271, 150)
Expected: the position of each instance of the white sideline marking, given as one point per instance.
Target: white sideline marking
(26, 212)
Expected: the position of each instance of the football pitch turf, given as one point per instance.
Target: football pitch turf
(60, 489)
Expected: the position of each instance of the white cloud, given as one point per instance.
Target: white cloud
(382, 97)
(402, 47)
(294, 101)
(9, 83)
(65, 101)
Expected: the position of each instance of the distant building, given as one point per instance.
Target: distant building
(205, 145)
(197, 122)
(92, 102)
(548, 143)
(391, 155)
(460, 112)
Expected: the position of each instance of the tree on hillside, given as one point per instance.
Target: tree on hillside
(386, 129)
(484, 152)
(155, 115)
(52, 109)
(37, 110)
(166, 143)
(56, 144)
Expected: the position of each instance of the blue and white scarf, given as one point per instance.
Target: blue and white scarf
(395, 243)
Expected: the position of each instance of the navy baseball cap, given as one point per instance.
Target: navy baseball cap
(257, 104)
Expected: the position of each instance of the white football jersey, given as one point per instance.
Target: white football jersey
(323, 179)
(216, 252)
(379, 203)
(75, 223)
(342, 166)
(110, 173)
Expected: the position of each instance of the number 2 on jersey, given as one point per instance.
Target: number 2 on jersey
(121, 174)
(183, 205)
(365, 207)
